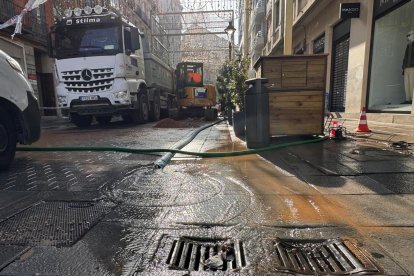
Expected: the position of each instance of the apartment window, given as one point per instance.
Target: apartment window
(298, 6)
(268, 29)
(319, 44)
(276, 15)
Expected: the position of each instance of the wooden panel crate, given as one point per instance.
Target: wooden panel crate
(296, 93)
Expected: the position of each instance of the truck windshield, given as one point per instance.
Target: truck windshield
(189, 74)
(81, 41)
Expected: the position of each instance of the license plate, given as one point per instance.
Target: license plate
(88, 98)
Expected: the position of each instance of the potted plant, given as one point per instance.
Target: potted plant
(223, 90)
(237, 89)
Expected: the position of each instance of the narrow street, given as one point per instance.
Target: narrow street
(206, 137)
(89, 213)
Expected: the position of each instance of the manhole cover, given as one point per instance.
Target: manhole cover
(51, 223)
(324, 257)
(199, 254)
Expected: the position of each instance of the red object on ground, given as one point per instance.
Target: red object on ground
(332, 134)
(363, 123)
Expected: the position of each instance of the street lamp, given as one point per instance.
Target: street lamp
(230, 31)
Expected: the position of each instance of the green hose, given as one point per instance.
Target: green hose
(199, 154)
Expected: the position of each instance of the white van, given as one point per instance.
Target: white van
(19, 110)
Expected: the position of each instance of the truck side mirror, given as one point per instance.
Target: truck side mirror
(135, 39)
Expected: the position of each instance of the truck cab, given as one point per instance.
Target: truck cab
(195, 98)
(100, 67)
(19, 110)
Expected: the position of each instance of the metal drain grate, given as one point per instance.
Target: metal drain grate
(189, 253)
(324, 257)
(51, 223)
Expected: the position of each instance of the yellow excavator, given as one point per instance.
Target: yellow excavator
(195, 99)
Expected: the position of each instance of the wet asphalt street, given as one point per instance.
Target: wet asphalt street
(331, 207)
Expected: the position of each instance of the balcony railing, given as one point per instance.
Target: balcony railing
(259, 11)
(33, 25)
(258, 42)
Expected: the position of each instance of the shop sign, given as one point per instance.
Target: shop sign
(350, 10)
(381, 6)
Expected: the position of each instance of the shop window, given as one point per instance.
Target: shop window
(319, 44)
(392, 66)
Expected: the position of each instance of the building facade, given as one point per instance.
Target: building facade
(170, 20)
(370, 56)
(192, 46)
(30, 48)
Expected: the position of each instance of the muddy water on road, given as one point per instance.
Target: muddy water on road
(290, 201)
(228, 197)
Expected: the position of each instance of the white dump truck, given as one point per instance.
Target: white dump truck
(104, 70)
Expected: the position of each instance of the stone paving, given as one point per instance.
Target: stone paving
(357, 188)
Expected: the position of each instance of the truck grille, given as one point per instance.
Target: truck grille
(102, 80)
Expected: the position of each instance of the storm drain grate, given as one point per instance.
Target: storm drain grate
(192, 254)
(51, 223)
(324, 257)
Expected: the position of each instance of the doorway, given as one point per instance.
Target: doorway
(340, 57)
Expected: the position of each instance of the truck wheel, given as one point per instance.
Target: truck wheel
(155, 108)
(144, 110)
(172, 108)
(81, 120)
(104, 120)
(168, 107)
(139, 115)
(8, 140)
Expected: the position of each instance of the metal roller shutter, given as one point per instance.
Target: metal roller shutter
(340, 75)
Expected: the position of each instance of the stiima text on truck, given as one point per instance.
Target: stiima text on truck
(104, 68)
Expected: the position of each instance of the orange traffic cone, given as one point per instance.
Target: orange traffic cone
(363, 123)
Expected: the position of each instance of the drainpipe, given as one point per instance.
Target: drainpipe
(288, 48)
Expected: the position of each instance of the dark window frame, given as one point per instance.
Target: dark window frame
(317, 39)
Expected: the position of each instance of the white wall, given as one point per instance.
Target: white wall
(358, 64)
(322, 20)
